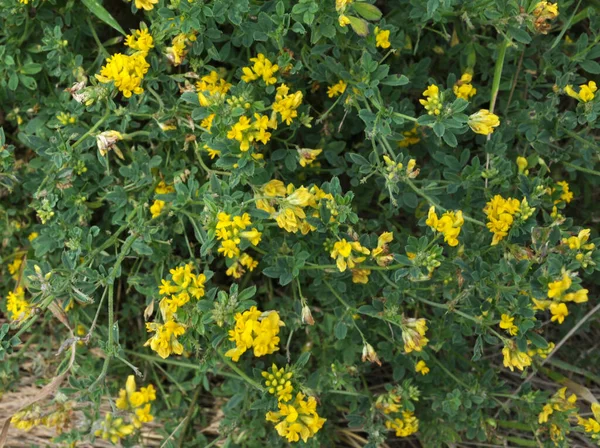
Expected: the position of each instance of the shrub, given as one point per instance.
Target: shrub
(331, 223)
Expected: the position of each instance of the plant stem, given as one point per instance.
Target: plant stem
(93, 128)
(241, 374)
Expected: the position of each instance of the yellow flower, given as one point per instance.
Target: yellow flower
(514, 358)
(450, 224)
(206, 123)
(341, 5)
(382, 38)
(253, 236)
(557, 289)
(253, 330)
(411, 137)
(17, 306)
(307, 156)
(483, 122)
(131, 398)
(298, 419)
(212, 153)
(343, 20)
(578, 242)
(14, 267)
(432, 102)
(126, 72)
(405, 426)
(140, 40)
(342, 253)
(278, 382)
(164, 188)
(591, 424)
(164, 342)
(177, 51)
(156, 208)
(566, 195)
(113, 429)
(336, 89)
(107, 140)
(463, 88)
(586, 92)
(559, 312)
(522, 165)
(422, 368)
(507, 323)
(32, 236)
(262, 67)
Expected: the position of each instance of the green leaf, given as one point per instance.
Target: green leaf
(591, 66)
(13, 81)
(98, 10)
(519, 35)
(368, 11)
(359, 26)
(340, 330)
(395, 80)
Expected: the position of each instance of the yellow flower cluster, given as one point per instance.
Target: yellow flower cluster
(483, 122)
(413, 334)
(137, 401)
(17, 306)
(405, 426)
(211, 89)
(382, 38)
(514, 358)
(298, 419)
(348, 254)
(463, 87)
(336, 89)
(449, 224)
(262, 68)
(286, 104)
(580, 245)
(178, 50)
(501, 214)
(591, 425)
(145, 4)
(559, 402)
(542, 353)
(544, 12)
(278, 382)
(59, 418)
(183, 285)
(586, 92)
(557, 293)
(432, 102)
(230, 231)
(507, 323)
(164, 342)
(66, 118)
(291, 203)
(389, 403)
(140, 40)
(176, 293)
(394, 170)
(126, 71)
(114, 429)
(246, 132)
(257, 330)
(566, 194)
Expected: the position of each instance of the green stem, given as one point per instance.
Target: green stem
(582, 169)
(188, 415)
(498, 73)
(240, 373)
(580, 138)
(406, 117)
(96, 39)
(93, 128)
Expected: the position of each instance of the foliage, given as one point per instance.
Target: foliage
(337, 223)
